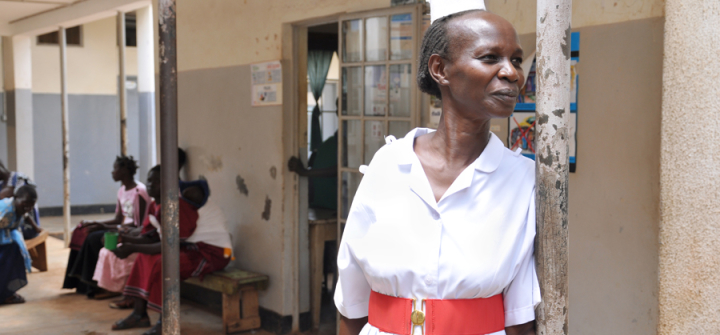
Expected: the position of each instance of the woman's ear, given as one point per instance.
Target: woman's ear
(436, 66)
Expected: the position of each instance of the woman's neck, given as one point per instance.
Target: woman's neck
(459, 140)
(129, 183)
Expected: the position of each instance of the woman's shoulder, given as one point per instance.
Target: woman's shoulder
(398, 150)
(517, 166)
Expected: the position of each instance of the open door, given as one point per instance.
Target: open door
(379, 96)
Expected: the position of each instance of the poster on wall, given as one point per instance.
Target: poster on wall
(521, 125)
(521, 132)
(266, 83)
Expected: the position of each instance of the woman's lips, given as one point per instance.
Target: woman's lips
(507, 96)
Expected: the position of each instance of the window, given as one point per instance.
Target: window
(73, 36)
(130, 30)
(378, 93)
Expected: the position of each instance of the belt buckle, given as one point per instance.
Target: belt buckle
(418, 317)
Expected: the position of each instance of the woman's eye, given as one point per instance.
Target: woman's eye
(488, 58)
(517, 60)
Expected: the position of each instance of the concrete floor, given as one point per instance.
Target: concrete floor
(52, 310)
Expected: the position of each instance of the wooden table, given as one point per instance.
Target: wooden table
(321, 231)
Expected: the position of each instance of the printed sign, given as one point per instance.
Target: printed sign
(266, 83)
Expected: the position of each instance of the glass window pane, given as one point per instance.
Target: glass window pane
(375, 90)
(399, 128)
(350, 183)
(374, 138)
(400, 77)
(352, 144)
(351, 90)
(352, 41)
(401, 36)
(376, 39)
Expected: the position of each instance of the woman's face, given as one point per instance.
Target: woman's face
(118, 172)
(483, 71)
(23, 205)
(153, 185)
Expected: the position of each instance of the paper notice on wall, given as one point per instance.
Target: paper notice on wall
(266, 83)
(376, 130)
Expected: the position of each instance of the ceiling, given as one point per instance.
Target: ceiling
(14, 10)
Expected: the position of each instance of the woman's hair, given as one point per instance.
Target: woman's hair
(182, 158)
(128, 163)
(28, 190)
(435, 42)
(155, 169)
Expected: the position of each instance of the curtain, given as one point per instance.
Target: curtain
(318, 67)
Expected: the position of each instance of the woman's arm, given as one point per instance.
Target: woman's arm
(31, 221)
(142, 206)
(140, 239)
(127, 249)
(353, 326)
(523, 329)
(7, 192)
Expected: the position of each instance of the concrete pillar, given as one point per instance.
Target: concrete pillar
(146, 90)
(17, 66)
(689, 255)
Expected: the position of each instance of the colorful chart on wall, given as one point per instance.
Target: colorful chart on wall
(521, 125)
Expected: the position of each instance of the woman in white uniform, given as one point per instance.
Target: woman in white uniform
(439, 238)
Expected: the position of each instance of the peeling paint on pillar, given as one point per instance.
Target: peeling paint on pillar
(169, 169)
(552, 164)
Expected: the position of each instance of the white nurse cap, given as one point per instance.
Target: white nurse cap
(440, 8)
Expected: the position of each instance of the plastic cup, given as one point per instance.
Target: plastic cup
(111, 240)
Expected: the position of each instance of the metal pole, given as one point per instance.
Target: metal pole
(123, 92)
(65, 132)
(552, 165)
(169, 170)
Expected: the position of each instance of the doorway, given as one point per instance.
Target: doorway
(322, 152)
(369, 92)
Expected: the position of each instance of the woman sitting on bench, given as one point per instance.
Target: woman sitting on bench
(196, 259)
(14, 257)
(130, 212)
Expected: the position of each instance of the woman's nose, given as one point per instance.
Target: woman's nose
(509, 72)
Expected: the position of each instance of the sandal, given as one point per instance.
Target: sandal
(132, 321)
(126, 303)
(14, 299)
(156, 329)
(105, 294)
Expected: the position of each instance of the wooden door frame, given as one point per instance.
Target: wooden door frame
(295, 139)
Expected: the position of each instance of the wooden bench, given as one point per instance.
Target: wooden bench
(239, 290)
(38, 253)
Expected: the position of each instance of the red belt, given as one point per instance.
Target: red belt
(441, 316)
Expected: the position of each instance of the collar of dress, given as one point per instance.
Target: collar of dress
(487, 162)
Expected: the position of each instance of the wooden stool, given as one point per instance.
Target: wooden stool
(36, 248)
(321, 231)
(239, 289)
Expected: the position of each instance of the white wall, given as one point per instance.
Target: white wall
(92, 67)
(522, 13)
